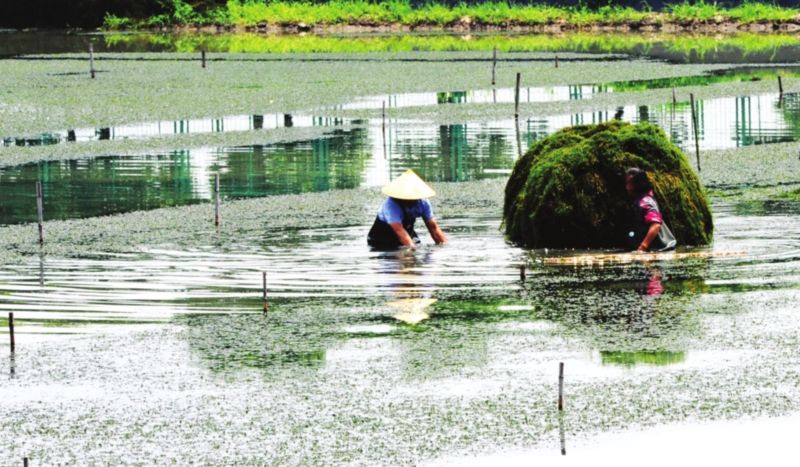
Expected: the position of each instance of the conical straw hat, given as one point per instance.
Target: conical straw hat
(408, 186)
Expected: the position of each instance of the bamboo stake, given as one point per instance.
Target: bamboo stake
(203, 58)
(91, 60)
(264, 290)
(780, 85)
(674, 97)
(694, 125)
(556, 61)
(522, 272)
(516, 97)
(561, 387)
(216, 199)
(494, 66)
(11, 332)
(40, 211)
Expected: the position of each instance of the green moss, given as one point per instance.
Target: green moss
(568, 190)
(647, 357)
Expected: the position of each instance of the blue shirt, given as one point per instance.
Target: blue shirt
(391, 211)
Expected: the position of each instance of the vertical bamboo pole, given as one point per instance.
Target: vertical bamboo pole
(556, 61)
(11, 332)
(203, 58)
(40, 211)
(561, 387)
(91, 60)
(494, 66)
(383, 128)
(694, 125)
(780, 85)
(516, 97)
(674, 97)
(264, 290)
(216, 199)
(522, 272)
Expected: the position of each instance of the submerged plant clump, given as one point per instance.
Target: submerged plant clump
(568, 190)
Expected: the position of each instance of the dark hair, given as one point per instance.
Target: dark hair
(641, 184)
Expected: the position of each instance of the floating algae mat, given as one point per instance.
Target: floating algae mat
(568, 191)
(528, 94)
(642, 345)
(363, 156)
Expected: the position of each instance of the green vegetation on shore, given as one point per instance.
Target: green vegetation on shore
(679, 44)
(249, 13)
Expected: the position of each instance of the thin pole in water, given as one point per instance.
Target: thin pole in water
(561, 387)
(24, 462)
(91, 60)
(494, 66)
(11, 332)
(203, 58)
(516, 96)
(522, 272)
(383, 127)
(694, 126)
(780, 85)
(216, 199)
(40, 211)
(556, 61)
(264, 290)
(674, 97)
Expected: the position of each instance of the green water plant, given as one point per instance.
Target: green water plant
(568, 190)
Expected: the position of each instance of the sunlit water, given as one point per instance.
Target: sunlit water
(369, 154)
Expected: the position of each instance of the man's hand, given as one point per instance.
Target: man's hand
(436, 232)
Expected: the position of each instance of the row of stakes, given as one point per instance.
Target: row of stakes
(92, 73)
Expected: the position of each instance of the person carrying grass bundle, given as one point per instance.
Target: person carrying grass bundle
(649, 233)
(394, 224)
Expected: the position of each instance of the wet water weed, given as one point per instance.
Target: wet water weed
(139, 91)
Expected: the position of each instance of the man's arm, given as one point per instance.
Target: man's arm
(402, 235)
(436, 232)
(652, 233)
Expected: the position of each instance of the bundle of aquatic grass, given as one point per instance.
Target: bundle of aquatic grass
(568, 190)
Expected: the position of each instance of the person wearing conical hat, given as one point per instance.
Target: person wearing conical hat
(407, 200)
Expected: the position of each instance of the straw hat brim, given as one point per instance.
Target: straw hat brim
(408, 186)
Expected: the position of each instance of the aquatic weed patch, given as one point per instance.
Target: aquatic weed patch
(568, 189)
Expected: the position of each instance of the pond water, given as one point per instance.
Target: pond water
(158, 352)
(368, 153)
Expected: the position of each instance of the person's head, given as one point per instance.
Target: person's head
(636, 182)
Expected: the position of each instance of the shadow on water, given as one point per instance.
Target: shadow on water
(635, 315)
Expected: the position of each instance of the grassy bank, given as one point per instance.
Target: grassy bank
(679, 45)
(251, 13)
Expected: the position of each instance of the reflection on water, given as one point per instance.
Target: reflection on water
(331, 286)
(238, 123)
(653, 357)
(677, 48)
(231, 123)
(368, 155)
